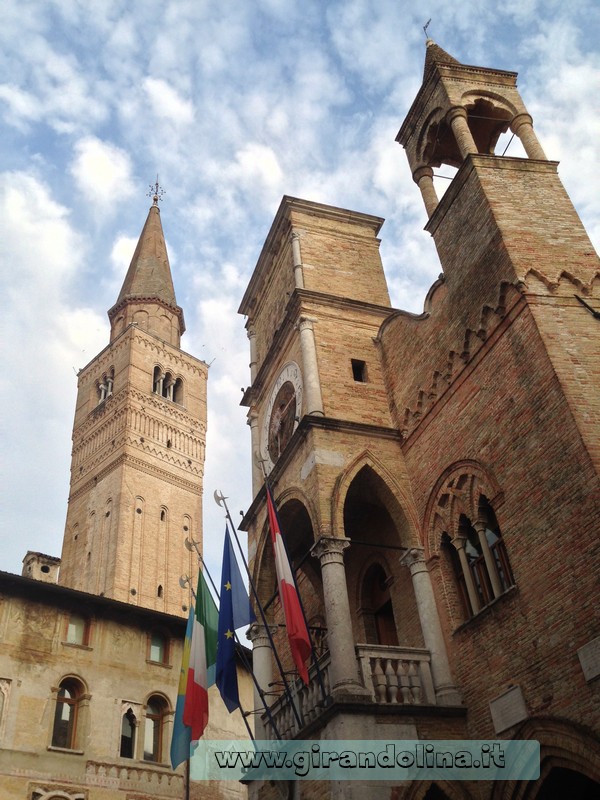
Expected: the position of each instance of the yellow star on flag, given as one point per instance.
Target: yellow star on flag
(229, 634)
(228, 586)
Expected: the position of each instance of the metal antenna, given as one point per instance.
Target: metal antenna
(426, 26)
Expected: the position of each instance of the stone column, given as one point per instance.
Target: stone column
(445, 690)
(310, 371)
(344, 666)
(297, 260)
(457, 119)
(522, 126)
(251, 333)
(423, 177)
(481, 527)
(459, 544)
(257, 476)
(262, 665)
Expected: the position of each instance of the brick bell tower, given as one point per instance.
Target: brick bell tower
(138, 446)
(505, 221)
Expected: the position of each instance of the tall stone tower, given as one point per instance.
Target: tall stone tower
(138, 446)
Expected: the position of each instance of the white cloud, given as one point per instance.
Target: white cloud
(49, 337)
(166, 103)
(102, 172)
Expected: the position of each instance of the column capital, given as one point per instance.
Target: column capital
(306, 323)
(520, 119)
(454, 112)
(295, 236)
(330, 549)
(250, 330)
(259, 635)
(422, 172)
(413, 558)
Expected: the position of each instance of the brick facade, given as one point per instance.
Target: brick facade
(456, 450)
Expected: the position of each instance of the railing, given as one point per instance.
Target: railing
(393, 676)
(396, 675)
(308, 700)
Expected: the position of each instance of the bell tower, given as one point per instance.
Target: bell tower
(138, 446)
(504, 222)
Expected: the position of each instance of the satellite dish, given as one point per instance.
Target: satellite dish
(183, 581)
(189, 545)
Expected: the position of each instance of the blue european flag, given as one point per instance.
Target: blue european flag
(234, 612)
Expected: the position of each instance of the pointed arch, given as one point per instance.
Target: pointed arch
(447, 502)
(297, 517)
(398, 503)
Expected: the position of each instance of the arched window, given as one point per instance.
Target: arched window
(480, 561)
(157, 381)
(64, 730)
(156, 712)
(178, 392)
(128, 727)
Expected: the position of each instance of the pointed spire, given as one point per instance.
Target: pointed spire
(434, 55)
(149, 274)
(148, 283)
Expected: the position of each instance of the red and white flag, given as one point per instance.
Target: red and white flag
(297, 631)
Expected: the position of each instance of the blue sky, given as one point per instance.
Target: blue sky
(234, 103)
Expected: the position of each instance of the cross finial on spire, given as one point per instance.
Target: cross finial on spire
(426, 26)
(156, 192)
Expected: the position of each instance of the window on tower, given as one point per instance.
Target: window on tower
(359, 370)
(166, 385)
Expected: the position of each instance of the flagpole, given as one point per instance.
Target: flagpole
(220, 498)
(194, 544)
(293, 571)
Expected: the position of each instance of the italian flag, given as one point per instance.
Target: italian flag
(297, 631)
(202, 663)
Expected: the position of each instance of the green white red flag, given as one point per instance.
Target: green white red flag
(202, 661)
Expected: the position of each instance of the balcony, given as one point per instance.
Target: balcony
(392, 676)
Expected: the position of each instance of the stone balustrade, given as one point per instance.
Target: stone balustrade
(397, 675)
(393, 676)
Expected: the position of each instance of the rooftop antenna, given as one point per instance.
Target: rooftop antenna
(156, 192)
(425, 27)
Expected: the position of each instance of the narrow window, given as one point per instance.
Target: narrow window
(496, 544)
(476, 561)
(359, 370)
(64, 731)
(156, 710)
(178, 392)
(157, 381)
(128, 734)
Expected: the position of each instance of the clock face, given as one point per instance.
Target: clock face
(282, 412)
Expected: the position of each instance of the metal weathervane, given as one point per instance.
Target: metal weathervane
(156, 192)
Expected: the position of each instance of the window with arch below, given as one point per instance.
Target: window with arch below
(68, 700)
(479, 559)
(158, 647)
(156, 713)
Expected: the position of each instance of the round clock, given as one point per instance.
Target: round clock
(282, 412)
